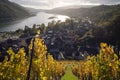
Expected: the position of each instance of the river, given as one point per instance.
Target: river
(40, 18)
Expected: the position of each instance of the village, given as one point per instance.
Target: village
(64, 40)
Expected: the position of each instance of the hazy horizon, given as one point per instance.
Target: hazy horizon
(49, 4)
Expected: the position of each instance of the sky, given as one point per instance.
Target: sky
(49, 4)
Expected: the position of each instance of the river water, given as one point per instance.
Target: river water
(40, 18)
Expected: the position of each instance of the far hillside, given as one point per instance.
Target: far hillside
(99, 14)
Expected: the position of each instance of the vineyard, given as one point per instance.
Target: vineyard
(38, 64)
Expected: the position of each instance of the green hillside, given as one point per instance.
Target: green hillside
(11, 11)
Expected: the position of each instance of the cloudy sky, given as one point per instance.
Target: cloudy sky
(46, 4)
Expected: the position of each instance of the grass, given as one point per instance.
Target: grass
(69, 75)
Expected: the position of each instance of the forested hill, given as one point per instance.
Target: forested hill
(11, 11)
(99, 14)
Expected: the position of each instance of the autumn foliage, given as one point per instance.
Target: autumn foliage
(104, 66)
(15, 67)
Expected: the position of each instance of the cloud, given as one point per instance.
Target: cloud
(104, 1)
(30, 2)
(58, 3)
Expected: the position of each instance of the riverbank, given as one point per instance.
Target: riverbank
(40, 18)
(10, 35)
(7, 22)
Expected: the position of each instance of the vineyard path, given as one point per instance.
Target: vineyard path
(69, 75)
